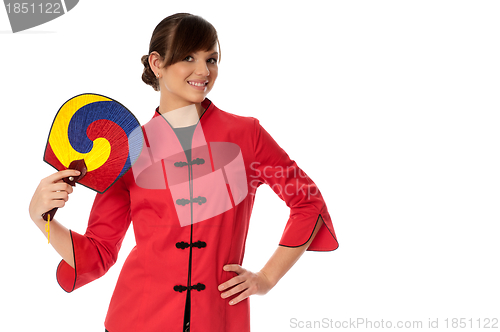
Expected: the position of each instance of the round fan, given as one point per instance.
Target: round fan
(97, 136)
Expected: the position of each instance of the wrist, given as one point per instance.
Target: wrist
(37, 219)
(271, 282)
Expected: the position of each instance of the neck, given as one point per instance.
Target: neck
(182, 117)
(168, 104)
(169, 108)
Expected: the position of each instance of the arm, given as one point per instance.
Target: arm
(53, 192)
(248, 283)
(309, 226)
(60, 239)
(89, 256)
(284, 258)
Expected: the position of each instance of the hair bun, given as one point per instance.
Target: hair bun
(148, 76)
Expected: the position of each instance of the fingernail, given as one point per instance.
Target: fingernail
(231, 302)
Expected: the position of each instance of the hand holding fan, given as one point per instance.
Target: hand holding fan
(95, 135)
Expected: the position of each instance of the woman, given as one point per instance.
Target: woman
(190, 196)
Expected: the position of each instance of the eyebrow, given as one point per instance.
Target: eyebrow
(212, 54)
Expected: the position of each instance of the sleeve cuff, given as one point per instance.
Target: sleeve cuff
(65, 274)
(299, 232)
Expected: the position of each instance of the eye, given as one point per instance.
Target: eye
(212, 61)
(188, 58)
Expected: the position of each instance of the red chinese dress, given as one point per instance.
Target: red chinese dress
(190, 218)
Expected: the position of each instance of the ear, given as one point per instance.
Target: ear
(155, 61)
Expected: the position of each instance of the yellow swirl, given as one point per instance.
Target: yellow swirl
(59, 140)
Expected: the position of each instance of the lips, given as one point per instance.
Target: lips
(198, 84)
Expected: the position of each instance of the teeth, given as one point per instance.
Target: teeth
(197, 84)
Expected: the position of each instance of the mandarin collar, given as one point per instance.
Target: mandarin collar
(206, 104)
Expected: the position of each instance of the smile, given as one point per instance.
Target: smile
(198, 83)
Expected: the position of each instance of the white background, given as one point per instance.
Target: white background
(391, 107)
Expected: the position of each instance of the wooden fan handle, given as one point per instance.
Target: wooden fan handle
(50, 213)
(78, 165)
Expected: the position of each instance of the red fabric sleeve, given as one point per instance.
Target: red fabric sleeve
(274, 167)
(97, 250)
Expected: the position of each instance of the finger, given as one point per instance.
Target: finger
(54, 199)
(59, 203)
(62, 174)
(60, 195)
(54, 203)
(61, 186)
(235, 290)
(234, 268)
(240, 297)
(231, 268)
(231, 282)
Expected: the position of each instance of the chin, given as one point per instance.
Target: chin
(198, 98)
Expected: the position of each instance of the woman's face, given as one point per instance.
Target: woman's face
(190, 80)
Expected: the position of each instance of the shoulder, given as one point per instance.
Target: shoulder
(235, 121)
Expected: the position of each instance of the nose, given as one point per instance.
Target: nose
(202, 69)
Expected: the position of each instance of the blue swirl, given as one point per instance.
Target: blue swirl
(105, 110)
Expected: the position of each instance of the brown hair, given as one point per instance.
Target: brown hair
(174, 38)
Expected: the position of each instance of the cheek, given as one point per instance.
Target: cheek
(214, 73)
(174, 80)
(168, 84)
(177, 73)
